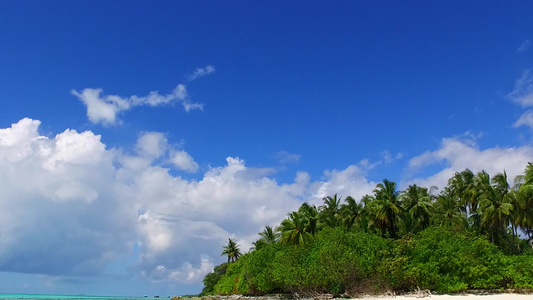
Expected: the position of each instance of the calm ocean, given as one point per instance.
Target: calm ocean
(69, 297)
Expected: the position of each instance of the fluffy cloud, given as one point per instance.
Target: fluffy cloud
(199, 72)
(152, 144)
(58, 202)
(92, 205)
(184, 161)
(348, 182)
(105, 108)
(462, 153)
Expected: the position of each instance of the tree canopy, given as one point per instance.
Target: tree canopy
(473, 234)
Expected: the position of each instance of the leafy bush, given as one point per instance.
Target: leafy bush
(211, 279)
(438, 258)
(519, 271)
(442, 260)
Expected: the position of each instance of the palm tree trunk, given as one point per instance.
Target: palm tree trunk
(513, 236)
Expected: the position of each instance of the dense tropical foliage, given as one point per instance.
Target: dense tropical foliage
(474, 234)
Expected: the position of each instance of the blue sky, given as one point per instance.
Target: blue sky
(137, 136)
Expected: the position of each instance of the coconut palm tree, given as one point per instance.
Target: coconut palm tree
(232, 250)
(268, 236)
(417, 202)
(495, 209)
(293, 230)
(461, 186)
(312, 217)
(447, 210)
(524, 186)
(368, 219)
(330, 211)
(387, 209)
(351, 213)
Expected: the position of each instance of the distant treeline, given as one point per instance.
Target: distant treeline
(471, 235)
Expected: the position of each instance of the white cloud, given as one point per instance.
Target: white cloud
(92, 205)
(459, 154)
(105, 108)
(189, 274)
(523, 90)
(285, 157)
(183, 161)
(348, 182)
(59, 203)
(524, 46)
(152, 144)
(526, 119)
(388, 158)
(199, 72)
(523, 95)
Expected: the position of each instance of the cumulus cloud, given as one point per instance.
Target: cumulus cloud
(524, 46)
(92, 204)
(105, 108)
(351, 181)
(183, 161)
(461, 153)
(199, 72)
(58, 198)
(152, 144)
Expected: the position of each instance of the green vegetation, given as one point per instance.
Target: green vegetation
(232, 250)
(468, 236)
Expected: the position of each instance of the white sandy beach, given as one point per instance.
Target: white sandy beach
(503, 296)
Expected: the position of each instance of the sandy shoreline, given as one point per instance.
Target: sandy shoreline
(413, 296)
(502, 296)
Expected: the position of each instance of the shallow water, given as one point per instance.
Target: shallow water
(69, 297)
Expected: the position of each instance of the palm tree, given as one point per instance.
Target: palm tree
(515, 199)
(417, 202)
(330, 211)
(524, 187)
(351, 212)
(499, 181)
(295, 230)
(312, 217)
(387, 209)
(268, 236)
(447, 210)
(461, 186)
(232, 250)
(495, 210)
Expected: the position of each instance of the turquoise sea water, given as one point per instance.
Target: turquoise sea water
(69, 297)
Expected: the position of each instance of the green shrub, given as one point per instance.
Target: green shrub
(442, 260)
